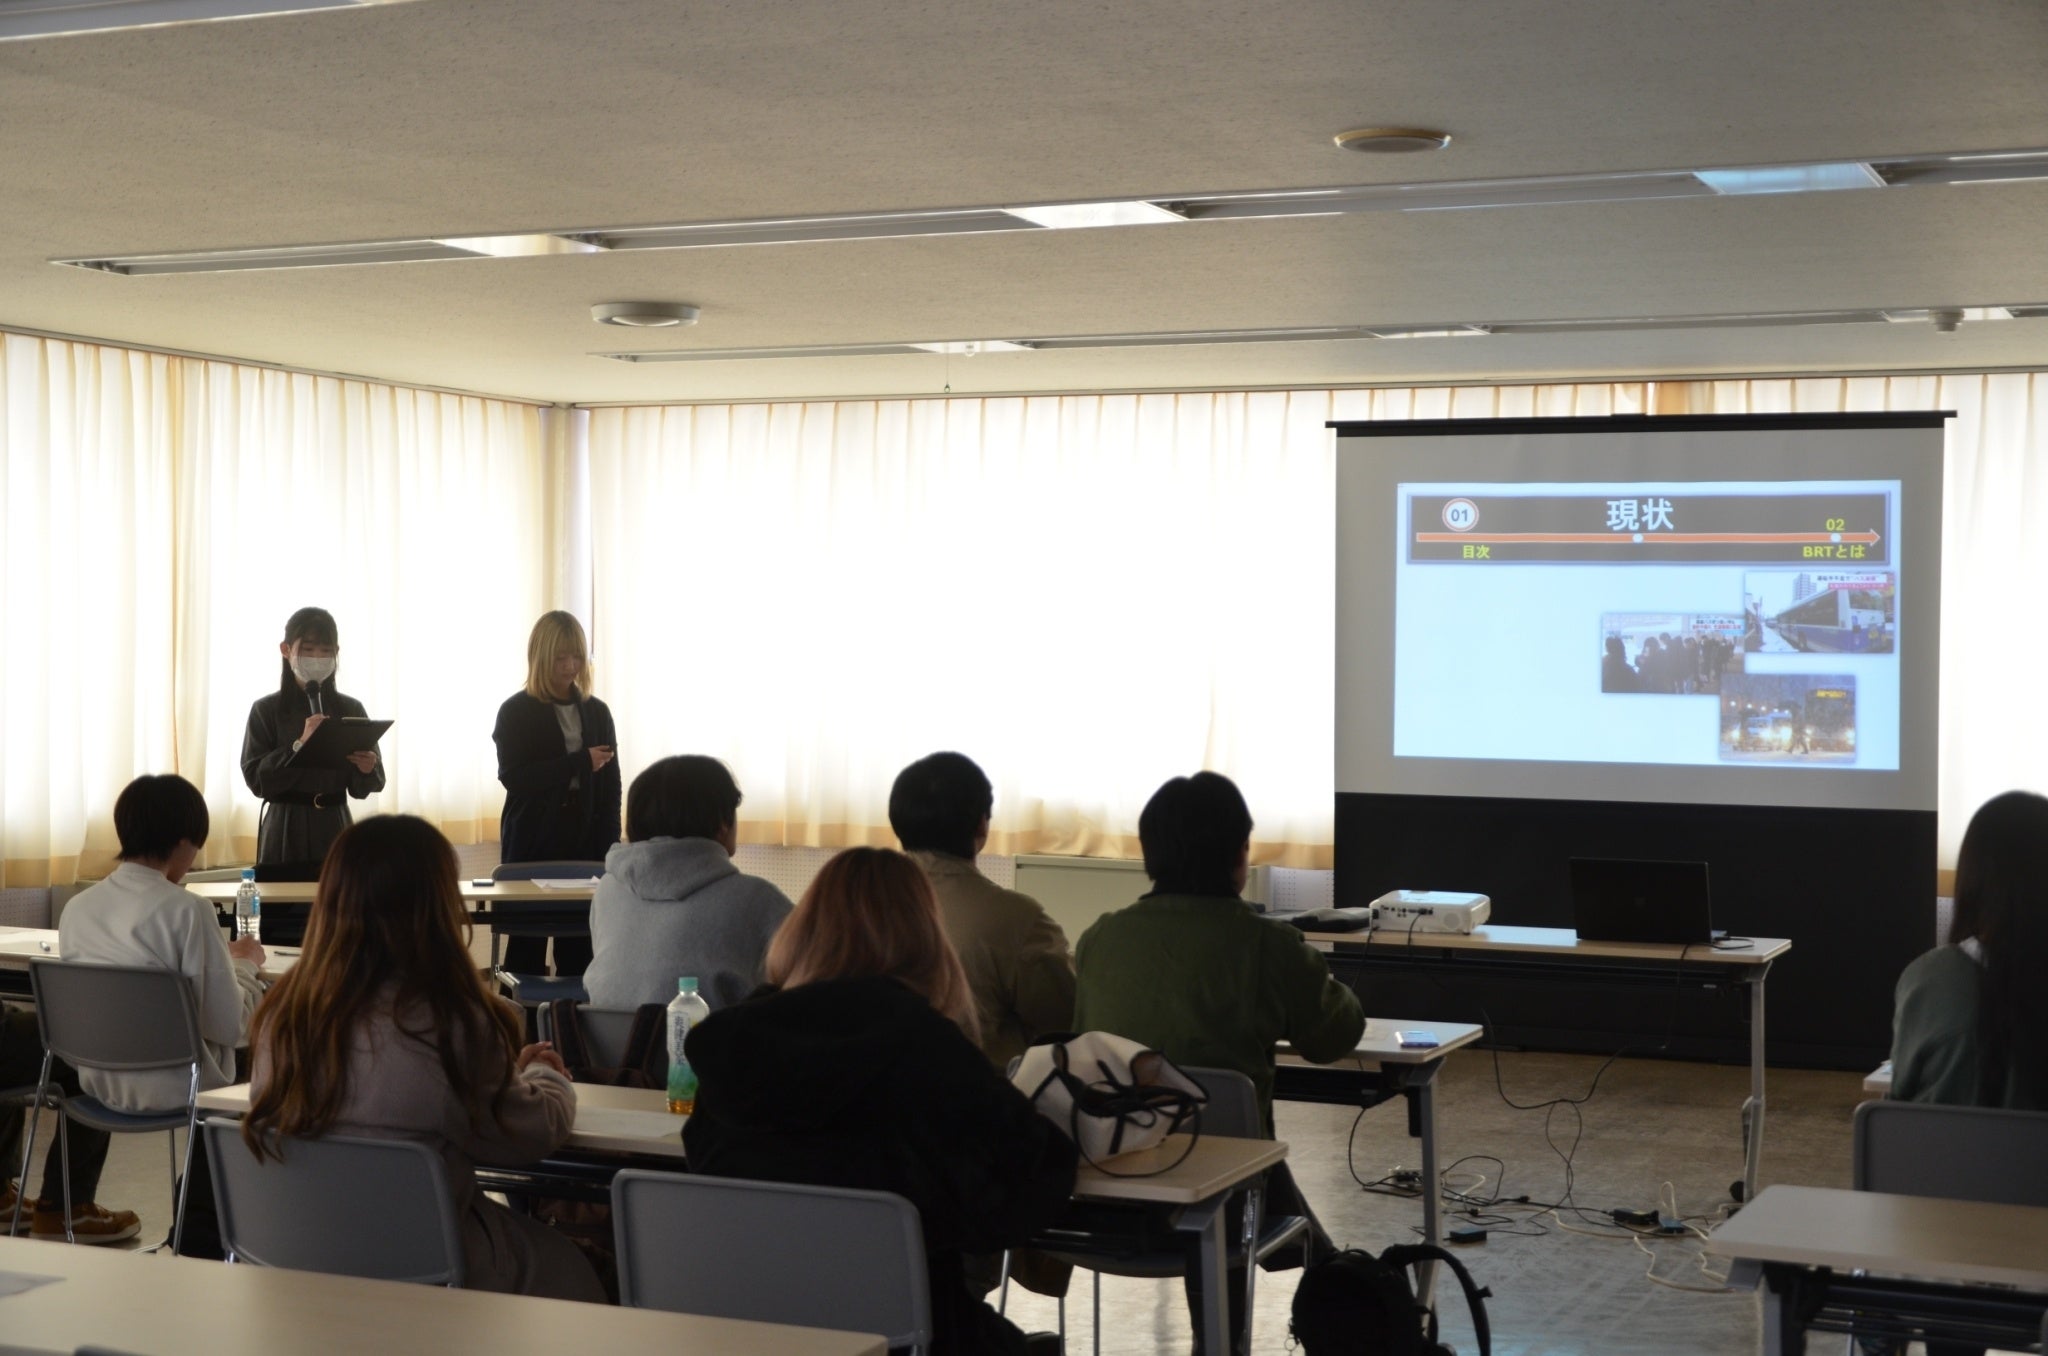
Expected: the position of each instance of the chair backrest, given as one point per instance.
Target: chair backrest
(1959, 1153)
(815, 1257)
(1233, 1105)
(351, 1207)
(605, 1031)
(116, 1017)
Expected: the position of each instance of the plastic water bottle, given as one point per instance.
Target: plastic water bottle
(248, 905)
(685, 1010)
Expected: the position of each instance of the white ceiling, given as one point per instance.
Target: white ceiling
(442, 118)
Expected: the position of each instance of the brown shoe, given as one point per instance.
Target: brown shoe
(90, 1223)
(9, 1196)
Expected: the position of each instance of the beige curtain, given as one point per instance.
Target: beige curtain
(1087, 594)
(163, 516)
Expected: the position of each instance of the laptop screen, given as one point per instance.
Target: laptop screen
(1641, 901)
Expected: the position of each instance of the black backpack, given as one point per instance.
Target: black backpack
(1356, 1304)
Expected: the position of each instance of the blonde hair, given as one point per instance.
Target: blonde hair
(872, 912)
(554, 633)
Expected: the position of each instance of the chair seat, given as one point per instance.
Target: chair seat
(97, 1114)
(533, 990)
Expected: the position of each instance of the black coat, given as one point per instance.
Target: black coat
(860, 1083)
(294, 828)
(556, 808)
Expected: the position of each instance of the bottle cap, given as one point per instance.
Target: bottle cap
(687, 984)
(248, 873)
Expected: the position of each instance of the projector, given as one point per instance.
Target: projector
(1429, 911)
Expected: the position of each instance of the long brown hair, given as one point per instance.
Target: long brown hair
(387, 930)
(872, 912)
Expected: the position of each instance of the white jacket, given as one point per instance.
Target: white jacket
(137, 917)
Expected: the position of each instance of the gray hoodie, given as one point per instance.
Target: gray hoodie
(671, 907)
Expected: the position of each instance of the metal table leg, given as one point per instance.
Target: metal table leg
(1753, 1109)
(1432, 1191)
(1209, 1256)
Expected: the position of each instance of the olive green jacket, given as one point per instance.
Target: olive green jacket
(1934, 1036)
(1212, 985)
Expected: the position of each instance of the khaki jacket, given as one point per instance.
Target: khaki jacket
(1016, 957)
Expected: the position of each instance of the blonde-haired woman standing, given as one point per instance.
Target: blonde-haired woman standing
(555, 747)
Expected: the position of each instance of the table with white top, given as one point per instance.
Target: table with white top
(1557, 954)
(1378, 1071)
(631, 1127)
(1964, 1271)
(570, 899)
(55, 1298)
(1878, 1082)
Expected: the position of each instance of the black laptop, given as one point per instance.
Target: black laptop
(1627, 901)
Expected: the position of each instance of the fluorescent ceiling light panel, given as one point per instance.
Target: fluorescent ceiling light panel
(521, 246)
(970, 347)
(1085, 215)
(48, 18)
(1791, 178)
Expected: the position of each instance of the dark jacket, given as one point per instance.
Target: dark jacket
(1212, 985)
(556, 808)
(860, 1083)
(294, 828)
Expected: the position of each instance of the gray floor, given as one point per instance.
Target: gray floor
(1555, 1291)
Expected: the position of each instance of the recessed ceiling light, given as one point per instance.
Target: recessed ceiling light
(1392, 140)
(968, 348)
(521, 246)
(1073, 215)
(644, 315)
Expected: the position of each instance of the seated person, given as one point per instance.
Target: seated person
(1971, 1019)
(1015, 956)
(141, 915)
(671, 903)
(21, 1065)
(385, 1029)
(860, 1069)
(1192, 972)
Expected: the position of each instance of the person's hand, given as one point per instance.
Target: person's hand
(542, 1054)
(600, 754)
(248, 949)
(365, 760)
(312, 723)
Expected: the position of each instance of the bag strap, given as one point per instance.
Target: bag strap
(565, 1022)
(1404, 1255)
(649, 1029)
(1117, 1102)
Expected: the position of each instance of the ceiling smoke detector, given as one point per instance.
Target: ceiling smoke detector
(1392, 140)
(644, 315)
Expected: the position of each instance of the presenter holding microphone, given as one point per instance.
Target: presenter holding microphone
(304, 808)
(555, 746)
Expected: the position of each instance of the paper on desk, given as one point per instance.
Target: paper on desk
(625, 1123)
(15, 1282)
(552, 883)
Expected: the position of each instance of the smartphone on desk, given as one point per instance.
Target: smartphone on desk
(482, 883)
(1416, 1040)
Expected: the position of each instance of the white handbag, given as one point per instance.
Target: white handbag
(1111, 1095)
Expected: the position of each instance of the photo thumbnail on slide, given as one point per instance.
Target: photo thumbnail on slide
(1788, 718)
(1823, 611)
(1669, 652)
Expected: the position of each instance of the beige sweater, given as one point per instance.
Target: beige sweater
(397, 1089)
(1015, 956)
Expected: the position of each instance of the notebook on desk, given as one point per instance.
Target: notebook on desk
(1630, 901)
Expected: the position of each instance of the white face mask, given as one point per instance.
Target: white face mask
(310, 670)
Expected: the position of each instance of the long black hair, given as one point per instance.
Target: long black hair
(2002, 901)
(308, 623)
